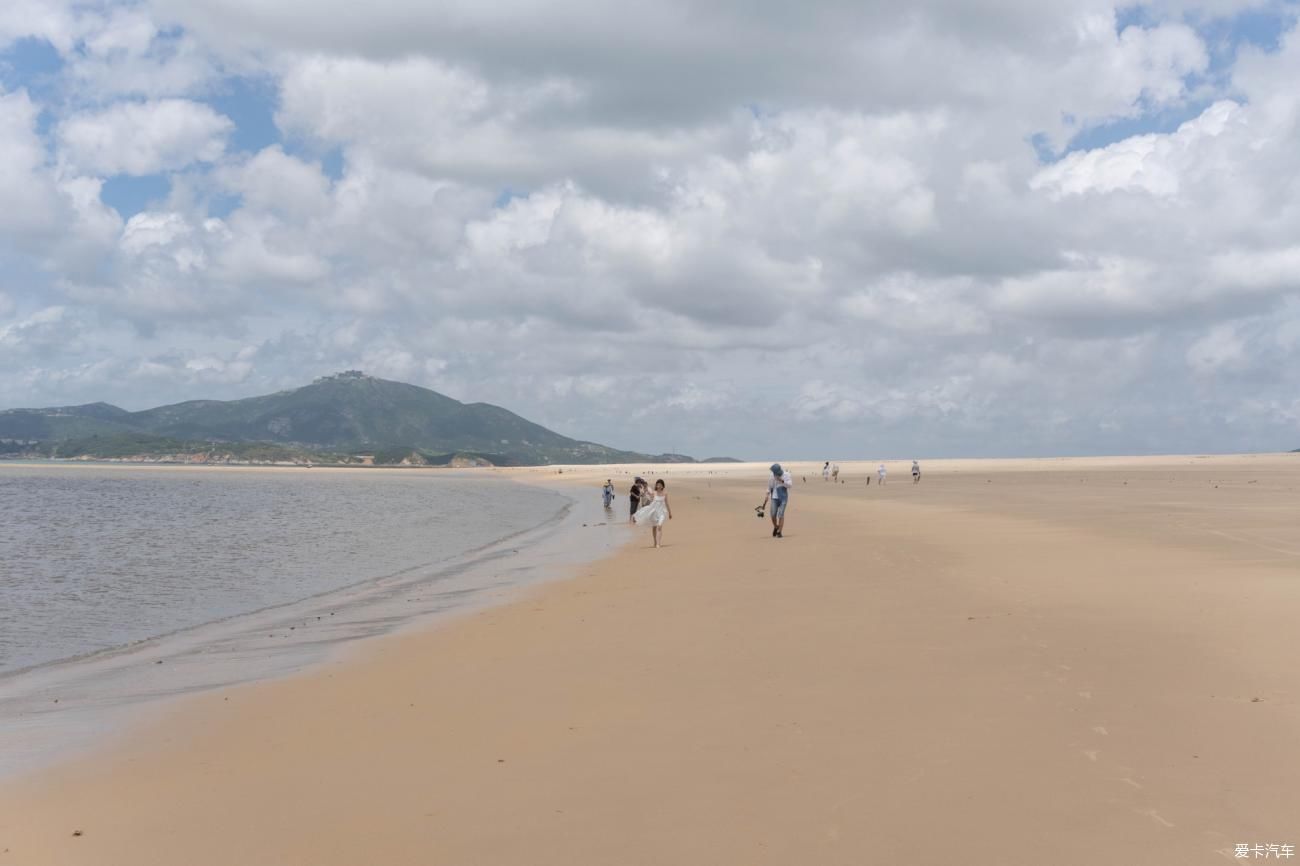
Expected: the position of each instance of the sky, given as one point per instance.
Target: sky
(823, 230)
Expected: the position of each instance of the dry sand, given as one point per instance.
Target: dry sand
(1029, 662)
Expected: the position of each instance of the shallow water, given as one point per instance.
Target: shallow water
(121, 586)
(94, 558)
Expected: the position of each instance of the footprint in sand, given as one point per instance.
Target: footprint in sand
(1087, 695)
(1101, 729)
(1092, 754)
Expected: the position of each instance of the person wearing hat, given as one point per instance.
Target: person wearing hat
(778, 493)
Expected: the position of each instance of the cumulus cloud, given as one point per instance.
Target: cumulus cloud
(38, 19)
(1154, 164)
(139, 138)
(25, 185)
(48, 215)
(40, 334)
(275, 181)
(673, 222)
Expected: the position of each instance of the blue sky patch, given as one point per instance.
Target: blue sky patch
(32, 64)
(1261, 29)
(249, 103)
(1132, 16)
(506, 196)
(222, 205)
(131, 195)
(1159, 122)
(333, 163)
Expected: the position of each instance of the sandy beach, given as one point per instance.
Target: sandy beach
(1084, 661)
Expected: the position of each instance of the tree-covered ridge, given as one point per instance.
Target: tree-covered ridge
(334, 419)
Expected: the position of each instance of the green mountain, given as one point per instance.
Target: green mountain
(64, 422)
(328, 420)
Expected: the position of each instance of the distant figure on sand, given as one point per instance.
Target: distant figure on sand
(634, 498)
(916, 472)
(607, 493)
(654, 513)
(778, 493)
(826, 471)
(880, 473)
(835, 472)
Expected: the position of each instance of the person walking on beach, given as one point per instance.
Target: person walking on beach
(826, 471)
(607, 494)
(778, 493)
(835, 473)
(880, 473)
(916, 472)
(655, 512)
(634, 498)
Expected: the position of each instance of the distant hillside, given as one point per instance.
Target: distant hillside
(64, 422)
(327, 421)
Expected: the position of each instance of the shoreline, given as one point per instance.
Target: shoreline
(997, 666)
(65, 708)
(861, 462)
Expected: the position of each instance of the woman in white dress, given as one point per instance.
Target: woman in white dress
(655, 513)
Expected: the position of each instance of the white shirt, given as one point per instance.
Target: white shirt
(786, 482)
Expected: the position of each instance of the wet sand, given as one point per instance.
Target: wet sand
(1013, 662)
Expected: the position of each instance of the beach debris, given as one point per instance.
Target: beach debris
(1256, 700)
(77, 833)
